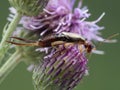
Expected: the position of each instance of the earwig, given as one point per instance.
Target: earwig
(57, 39)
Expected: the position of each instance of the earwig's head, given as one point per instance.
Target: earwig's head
(89, 46)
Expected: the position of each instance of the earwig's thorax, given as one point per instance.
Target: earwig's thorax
(73, 35)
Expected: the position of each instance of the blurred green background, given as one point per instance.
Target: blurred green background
(104, 70)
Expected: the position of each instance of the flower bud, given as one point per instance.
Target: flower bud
(28, 7)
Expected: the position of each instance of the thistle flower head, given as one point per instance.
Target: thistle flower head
(59, 16)
(28, 7)
(64, 67)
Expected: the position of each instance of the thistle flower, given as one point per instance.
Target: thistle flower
(59, 16)
(64, 67)
(62, 70)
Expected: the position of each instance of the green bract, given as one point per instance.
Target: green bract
(28, 7)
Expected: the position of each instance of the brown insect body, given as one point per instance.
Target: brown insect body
(57, 39)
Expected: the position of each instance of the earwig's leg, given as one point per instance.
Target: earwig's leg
(68, 44)
(81, 48)
(90, 53)
(61, 43)
(57, 43)
(54, 44)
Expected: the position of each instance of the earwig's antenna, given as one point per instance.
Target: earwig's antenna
(114, 35)
(108, 39)
(105, 40)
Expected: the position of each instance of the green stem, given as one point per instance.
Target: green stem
(12, 26)
(9, 65)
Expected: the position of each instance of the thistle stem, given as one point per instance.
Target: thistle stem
(12, 26)
(9, 65)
